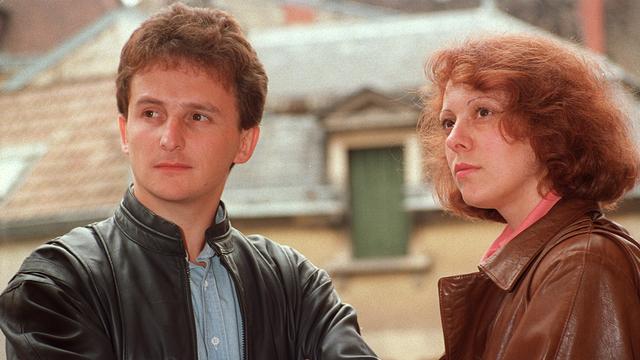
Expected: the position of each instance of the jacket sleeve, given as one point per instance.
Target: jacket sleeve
(583, 303)
(328, 327)
(44, 317)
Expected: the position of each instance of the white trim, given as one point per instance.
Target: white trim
(339, 144)
(14, 162)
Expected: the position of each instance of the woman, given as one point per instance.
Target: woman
(520, 130)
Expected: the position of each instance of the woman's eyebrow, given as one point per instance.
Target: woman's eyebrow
(481, 97)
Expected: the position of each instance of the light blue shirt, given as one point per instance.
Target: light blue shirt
(216, 309)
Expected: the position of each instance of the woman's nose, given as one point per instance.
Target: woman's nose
(459, 138)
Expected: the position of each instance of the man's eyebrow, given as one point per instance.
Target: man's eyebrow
(201, 106)
(187, 105)
(148, 100)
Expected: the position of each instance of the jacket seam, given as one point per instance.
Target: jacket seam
(116, 287)
(47, 275)
(574, 298)
(86, 268)
(129, 237)
(444, 321)
(33, 348)
(315, 288)
(316, 270)
(142, 225)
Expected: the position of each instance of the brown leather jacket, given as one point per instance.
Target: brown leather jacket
(565, 288)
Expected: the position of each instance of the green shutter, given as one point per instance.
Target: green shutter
(379, 223)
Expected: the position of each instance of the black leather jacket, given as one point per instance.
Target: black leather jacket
(119, 289)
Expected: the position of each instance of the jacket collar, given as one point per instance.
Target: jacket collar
(507, 265)
(155, 233)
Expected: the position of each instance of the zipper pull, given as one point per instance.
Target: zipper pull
(186, 259)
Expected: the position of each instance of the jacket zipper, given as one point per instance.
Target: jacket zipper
(243, 310)
(187, 273)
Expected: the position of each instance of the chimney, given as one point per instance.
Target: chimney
(4, 25)
(298, 14)
(591, 19)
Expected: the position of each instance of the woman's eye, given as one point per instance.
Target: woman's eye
(447, 124)
(483, 112)
(199, 117)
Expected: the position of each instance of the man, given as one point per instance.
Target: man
(167, 277)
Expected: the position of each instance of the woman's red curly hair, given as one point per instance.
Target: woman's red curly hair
(559, 101)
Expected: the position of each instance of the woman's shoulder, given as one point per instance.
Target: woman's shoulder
(592, 245)
(595, 234)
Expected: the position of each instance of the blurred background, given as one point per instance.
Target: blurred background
(337, 172)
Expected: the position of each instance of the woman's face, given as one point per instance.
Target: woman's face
(491, 171)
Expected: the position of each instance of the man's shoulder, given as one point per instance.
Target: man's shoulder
(67, 256)
(81, 242)
(275, 258)
(265, 246)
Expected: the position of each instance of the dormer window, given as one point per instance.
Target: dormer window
(373, 157)
(15, 161)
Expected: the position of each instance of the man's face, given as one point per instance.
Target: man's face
(182, 135)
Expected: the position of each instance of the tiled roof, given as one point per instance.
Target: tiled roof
(325, 61)
(91, 53)
(36, 26)
(82, 172)
(286, 174)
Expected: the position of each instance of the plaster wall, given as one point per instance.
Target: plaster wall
(398, 312)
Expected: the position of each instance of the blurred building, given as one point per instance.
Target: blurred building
(336, 174)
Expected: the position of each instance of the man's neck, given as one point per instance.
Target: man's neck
(193, 219)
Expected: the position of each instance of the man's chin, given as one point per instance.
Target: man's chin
(164, 194)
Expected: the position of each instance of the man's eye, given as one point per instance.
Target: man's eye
(149, 113)
(199, 117)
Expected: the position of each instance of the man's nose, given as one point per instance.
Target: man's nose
(172, 135)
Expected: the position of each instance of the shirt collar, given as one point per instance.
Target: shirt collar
(541, 209)
(156, 233)
(206, 254)
(506, 266)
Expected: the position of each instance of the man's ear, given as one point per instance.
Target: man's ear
(122, 124)
(248, 141)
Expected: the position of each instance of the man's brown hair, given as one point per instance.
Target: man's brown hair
(206, 38)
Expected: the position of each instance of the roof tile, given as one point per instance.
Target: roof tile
(82, 167)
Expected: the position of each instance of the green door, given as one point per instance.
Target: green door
(379, 223)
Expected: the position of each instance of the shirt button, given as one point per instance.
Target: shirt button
(215, 341)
